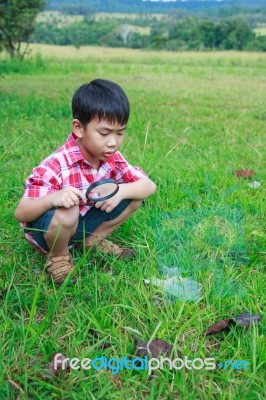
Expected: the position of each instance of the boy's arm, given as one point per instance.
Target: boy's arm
(30, 209)
(139, 190)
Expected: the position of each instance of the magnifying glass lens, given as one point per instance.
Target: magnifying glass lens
(102, 191)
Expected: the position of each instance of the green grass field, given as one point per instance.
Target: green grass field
(195, 119)
(260, 30)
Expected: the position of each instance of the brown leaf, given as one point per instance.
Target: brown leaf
(154, 349)
(246, 319)
(222, 325)
(56, 364)
(244, 173)
(242, 320)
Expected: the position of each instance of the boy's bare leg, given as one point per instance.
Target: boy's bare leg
(109, 226)
(62, 227)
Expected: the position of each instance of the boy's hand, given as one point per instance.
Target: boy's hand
(109, 204)
(68, 197)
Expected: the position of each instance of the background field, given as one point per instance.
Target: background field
(195, 119)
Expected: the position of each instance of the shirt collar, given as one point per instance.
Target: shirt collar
(72, 151)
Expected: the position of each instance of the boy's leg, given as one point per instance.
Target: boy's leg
(61, 228)
(109, 226)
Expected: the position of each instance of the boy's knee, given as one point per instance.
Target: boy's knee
(65, 217)
(135, 204)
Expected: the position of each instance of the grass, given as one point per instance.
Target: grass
(260, 31)
(195, 119)
(62, 20)
(59, 18)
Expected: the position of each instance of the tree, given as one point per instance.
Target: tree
(125, 31)
(17, 22)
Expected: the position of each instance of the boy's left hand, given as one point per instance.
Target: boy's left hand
(109, 204)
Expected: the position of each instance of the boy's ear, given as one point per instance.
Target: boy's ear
(77, 127)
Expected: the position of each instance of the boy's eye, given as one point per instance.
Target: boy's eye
(103, 134)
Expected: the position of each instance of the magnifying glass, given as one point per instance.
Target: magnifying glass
(102, 190)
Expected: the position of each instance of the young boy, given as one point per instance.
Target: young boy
(54, 210)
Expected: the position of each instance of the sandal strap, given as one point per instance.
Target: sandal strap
(109, 247)
(59, 267)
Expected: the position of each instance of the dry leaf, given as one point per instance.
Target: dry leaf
(154, 349)
(56, 364)
(244, 173)
(222, 325)
(247, 319)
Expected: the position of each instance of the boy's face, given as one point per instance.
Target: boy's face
(99, 139)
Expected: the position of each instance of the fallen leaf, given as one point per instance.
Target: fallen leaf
(154, 349)
(56, 364)
(244, 173)
(247, 319)
(222, 325)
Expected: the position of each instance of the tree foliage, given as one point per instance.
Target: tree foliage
(169, 34)
(17, 22)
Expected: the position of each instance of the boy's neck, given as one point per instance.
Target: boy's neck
(94, 162)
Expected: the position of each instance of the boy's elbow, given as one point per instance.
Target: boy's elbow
(17, 215)
(152, 187)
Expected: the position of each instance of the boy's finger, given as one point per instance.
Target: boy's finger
(79, 193)
(99, 204)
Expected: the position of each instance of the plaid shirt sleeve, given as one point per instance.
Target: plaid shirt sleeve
(126, 173)
(44, 179)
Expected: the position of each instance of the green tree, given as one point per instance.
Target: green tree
(17, 22)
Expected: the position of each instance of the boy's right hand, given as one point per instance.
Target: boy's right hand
(68, 197)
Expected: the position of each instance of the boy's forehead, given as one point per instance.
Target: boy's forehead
(105, 123)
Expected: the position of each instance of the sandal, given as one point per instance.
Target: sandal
(59, 267)
(109, 247)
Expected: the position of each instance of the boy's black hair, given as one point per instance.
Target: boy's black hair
(100, 99)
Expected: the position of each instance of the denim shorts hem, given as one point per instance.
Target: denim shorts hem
(87, 224)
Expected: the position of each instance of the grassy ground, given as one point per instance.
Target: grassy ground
(260, 31)
(196, 118)
(61, 20)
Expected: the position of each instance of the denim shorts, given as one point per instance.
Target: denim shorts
(86, 224)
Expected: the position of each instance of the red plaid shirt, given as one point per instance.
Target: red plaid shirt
(68, 167)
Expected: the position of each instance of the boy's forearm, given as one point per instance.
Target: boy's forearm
(139, 190)
(30, 209)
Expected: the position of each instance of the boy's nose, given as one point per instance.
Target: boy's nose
(111, 143)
